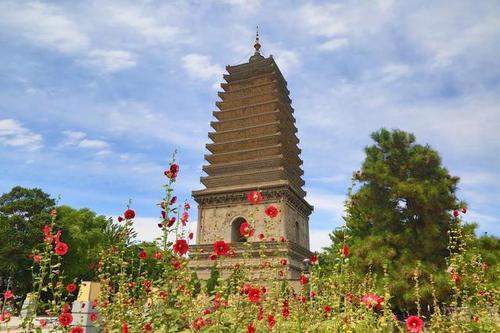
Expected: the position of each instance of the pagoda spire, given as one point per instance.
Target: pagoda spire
(257, 46)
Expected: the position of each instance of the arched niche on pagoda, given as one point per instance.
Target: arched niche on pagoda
(236, 237)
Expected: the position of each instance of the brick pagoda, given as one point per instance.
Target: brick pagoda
(254, 147)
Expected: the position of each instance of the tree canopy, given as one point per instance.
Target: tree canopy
(398, 214)
(23, 214)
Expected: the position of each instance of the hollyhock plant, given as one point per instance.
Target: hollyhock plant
(254, 295)
(271, 211)
(71, 288)
(221, 248)
(254, 197)
(372, 301)
(414, 324)
(8, 294)
(345, 250)
(181, 247)
(65, 319)
(129, 214)
(61, 248)
(143, 255)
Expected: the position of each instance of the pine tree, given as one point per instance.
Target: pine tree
(398, 214)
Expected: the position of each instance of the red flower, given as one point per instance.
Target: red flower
(93, 316)
(327, 309)
(174, 168)
(271, 211)
(171, 221)
(270, 321)
(251, 328)
(65, 319)
(8, 294)
(254, 197)
(345, 250)
(61, 248)
(129, 214)
(260, 314)
(372, 301)
(187, 206)
(181, 247)
(190, 235)
(120, 219)
(142, 255)
(221, 248)
(261, 236)
(173, 200)
(303, 280)
(176, 264)
(147, 327)
(455, 213)
(5, 316)
(254, 295)
(184, 217)
(77, 329)
(283, 262)
(285, 311)
(42, 322)
(246, 230)
(464, 210)
(212, 256)
(414, 324)
(124, 328)
(37, 258)
(314, 259)
(71, 288)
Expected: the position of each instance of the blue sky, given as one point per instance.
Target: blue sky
(95, 95)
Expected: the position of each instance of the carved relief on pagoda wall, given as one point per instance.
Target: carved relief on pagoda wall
(216, 222)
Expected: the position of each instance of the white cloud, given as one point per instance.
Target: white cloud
(44, 24)
(13, 134)
(78, 139)
(322, 20)
(200, 67)
(144, 23)
(393, 72)
(319, 239)
(111, 60)
(93, 144)
(331, 203)
(333, 44)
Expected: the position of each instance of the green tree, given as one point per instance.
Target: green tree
(23, 213)
(84, 232)
(398, 214)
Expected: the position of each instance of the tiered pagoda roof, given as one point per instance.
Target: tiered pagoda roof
(254, 142)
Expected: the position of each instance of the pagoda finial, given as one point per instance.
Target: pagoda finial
(257, 46)
(257, 42)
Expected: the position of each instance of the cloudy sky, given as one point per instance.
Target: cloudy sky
(95, 95)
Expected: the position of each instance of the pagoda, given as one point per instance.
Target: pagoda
(254, 147)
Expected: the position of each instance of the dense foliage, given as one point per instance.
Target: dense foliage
(152, 288)
(398, 218)
(23, 213)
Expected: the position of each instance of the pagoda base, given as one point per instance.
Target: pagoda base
(261, 259)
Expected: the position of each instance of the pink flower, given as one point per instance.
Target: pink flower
(414, 324)
(254, 197)
(71, 288)
(372, 301)
(61, 248)
(8, 294)
(455, 213)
